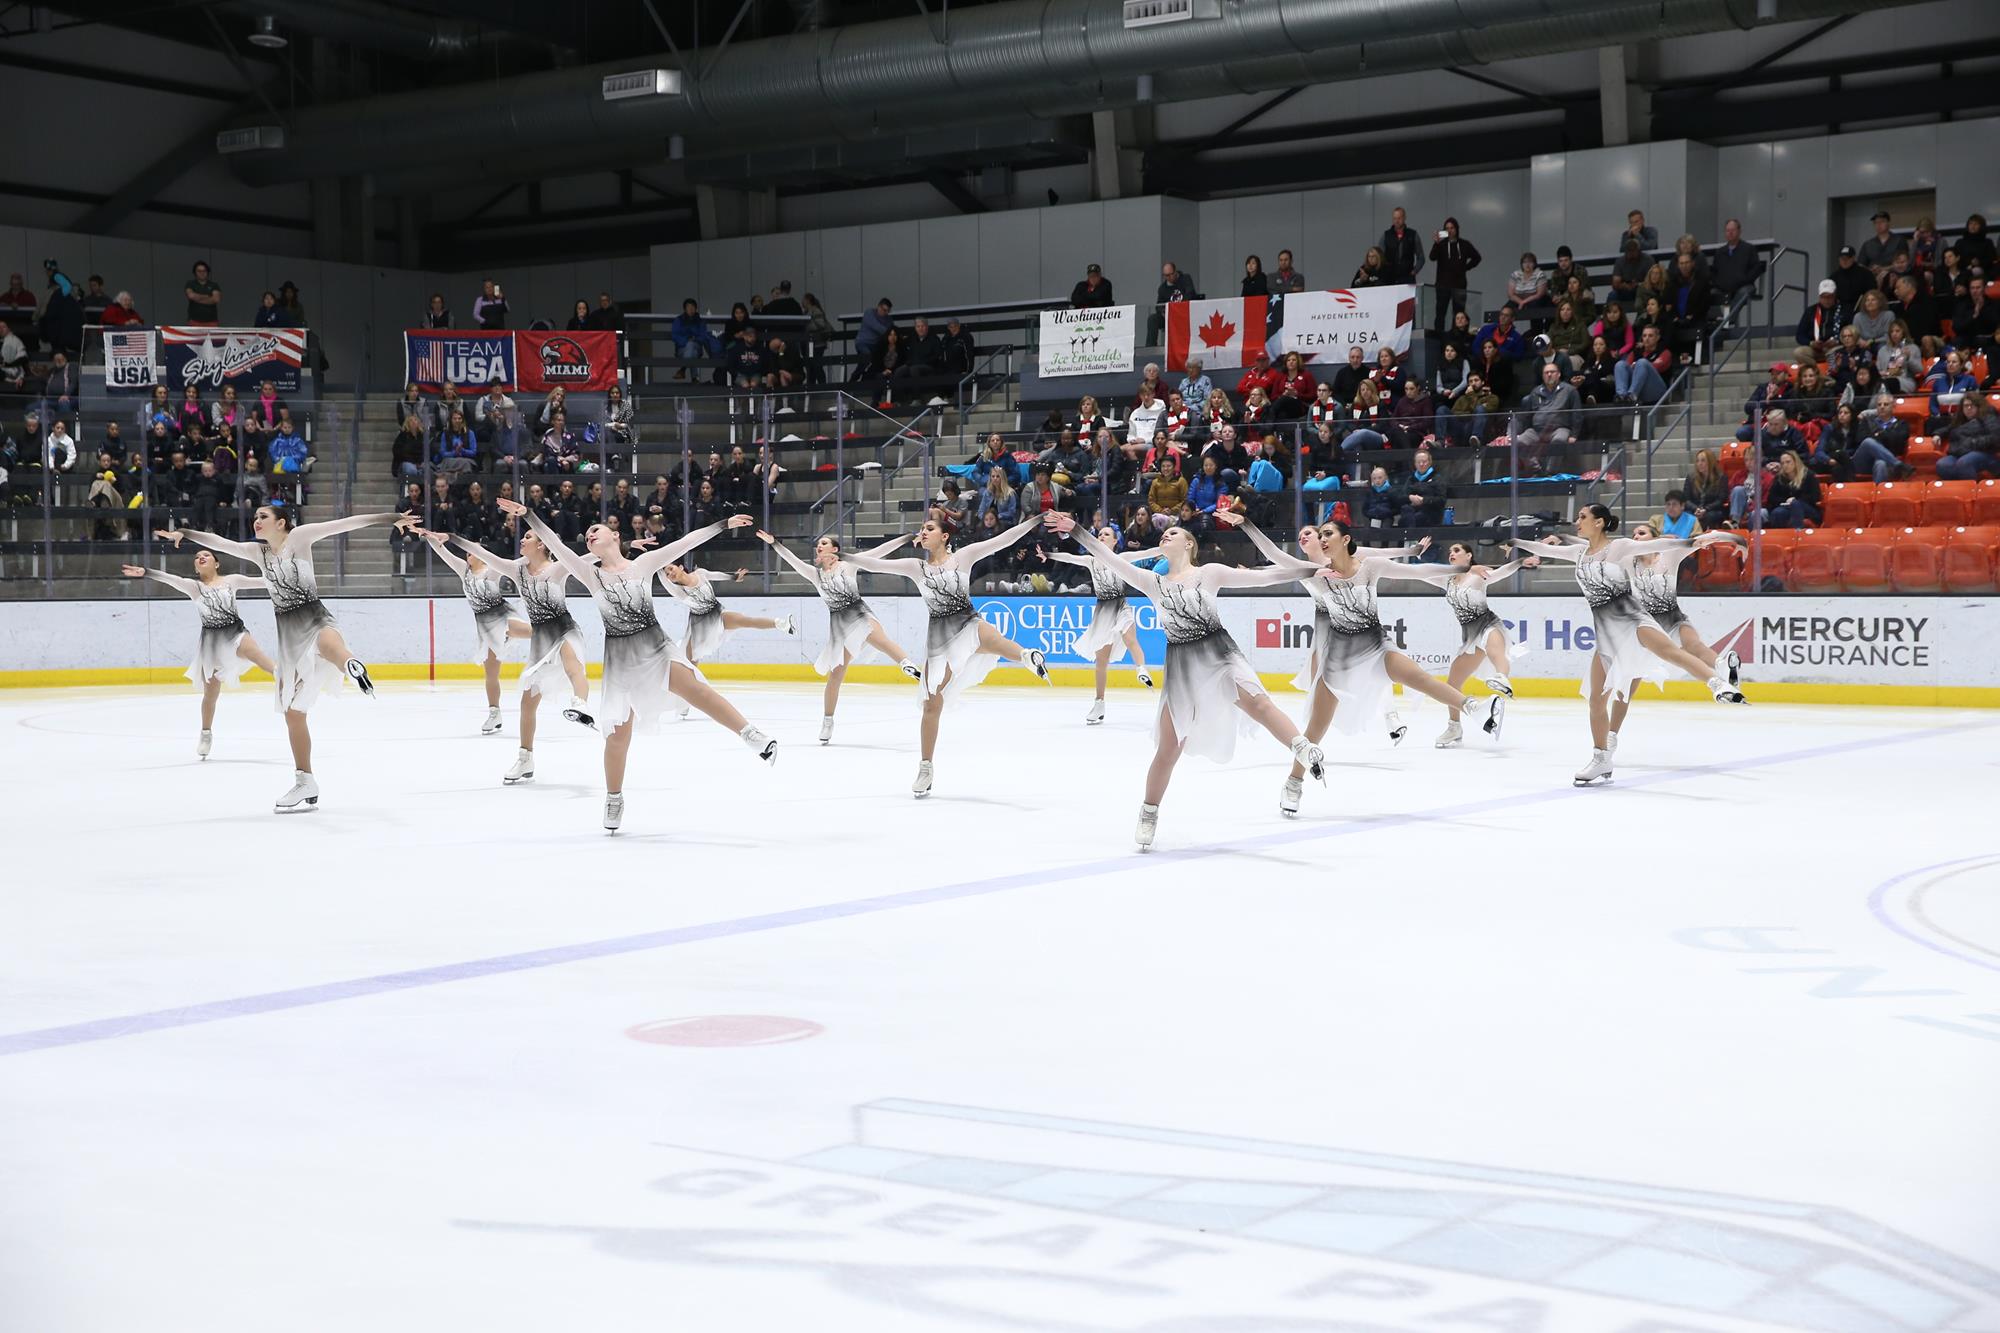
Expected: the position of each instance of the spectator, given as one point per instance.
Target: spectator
(1737, 265)
(1638, 233)
(1421, 500)
(1898, 359)
(1455, 258)
(500, 421)
(1230, 455)
(1350, 377)
(1570, 333)
(1462, 335)
(1689, 299)
(289, 457)
(1388, 375)
(1169, 489)
(227, 417)
(1775, 392)
(1195, 385)
(999, 498)
(1872, 320)
(1629, 271)
(872, 337)
(1833, 452)
(579, 317)
(747, 362)
(1863, 388)
(1094, 292)
(1812, 398)
(1043, 493)
(1256, 411)
(1706, 490)
(1974, 318)
(1296, 389)
(1206, 491)
(1885, 437)
(406, 454)
(1528, 289)
(457, 449)
(1068, 458)
(1641, 378)
(474, 516)
(1286, 279)
(961, 354)
(1678, 520)
(1881, 249)
(1174, 286)
(1411, 416)
(61, 388)
(1849, 279)
(1401, 259)
(621, 430)
(1552, 407)
(1948, 383)
(624, 509)
(925, 350)
(693, 339)
(18, 306)
(783, 370)
(59, 452)
(191, 419)
(1365, 418)
(1918, 311)
(489, 311)
(114, 442)
(95, 301)
(1975, 247)
(1503, 333)
(1469, 410)
(268, 315)
(292, 315)
(1260, 375)
(1178, 423)
(1566, 268)
(818, 337)
(1780, 437)
(13, 358)
(1449, 379)
(121, 312)
(1923, 249)
(1819, 328)
(607, 317)
(1255, 283)
(554, 404)
(1371, 273)
(1378, 501)
(1793, 500)
(1145, 418)
(204, 298)
(436, 316)
(1952, 271)
(1497, 371)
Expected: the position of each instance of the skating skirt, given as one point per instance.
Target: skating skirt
(1473, 637)
(1670, 622)
(1626, 660)
(951, 647)
(1354, 669)
(302, 672)
(545, 668)
(1108, 624)
(637, 669)
(215, 655)
(847, 632)
(493, 629)
(704, 634)
(1203, 680)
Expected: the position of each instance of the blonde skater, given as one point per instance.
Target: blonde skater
(1630, 647)
(1482, 638)
(555, 644)
(312, 652)
(1112, 622)
(1209, 680)
(642, 666)
(959, 647)
(851, 624)
(1352, 667)
(486, 593)
(225, 646)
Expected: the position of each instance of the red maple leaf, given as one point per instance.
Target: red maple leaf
(1217, 332)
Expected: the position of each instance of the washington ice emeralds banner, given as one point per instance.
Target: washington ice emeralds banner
(1087, 342)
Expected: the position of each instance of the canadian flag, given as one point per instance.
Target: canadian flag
(1224, 333)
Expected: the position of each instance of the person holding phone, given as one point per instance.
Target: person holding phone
(1454, 257)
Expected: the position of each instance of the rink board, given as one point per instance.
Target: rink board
(1912, 650)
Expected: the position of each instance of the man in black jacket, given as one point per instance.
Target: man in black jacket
(1174, 286)
(1349, 377)
(782, 301)
(1400, 256)
(923, 353)
(1819, 328)
(1849, 279)
(1420, 500)
(960, 352)
(1094, 292)
(1736, 265)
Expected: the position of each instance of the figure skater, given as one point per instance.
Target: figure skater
(642, 666)
(312, 652)
(959, 647)
(225, 646)
(1628, 642)
(1206, 672)
(850, 624)
(1482, 638)
(1112, 622)
(555, 644)
(708, 624)
(486, 592)
(1351, 669)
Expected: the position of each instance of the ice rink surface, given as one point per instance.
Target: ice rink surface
(1717, 1048)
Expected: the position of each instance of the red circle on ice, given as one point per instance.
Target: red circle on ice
(725, 1030)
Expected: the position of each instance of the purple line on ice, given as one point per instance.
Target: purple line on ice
(246, 1006)
(1877, 903)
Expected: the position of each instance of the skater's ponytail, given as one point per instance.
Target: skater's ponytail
(1603, 514)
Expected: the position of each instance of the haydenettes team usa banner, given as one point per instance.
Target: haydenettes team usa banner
(1319, 326)
(536, 361)
(1087, 342)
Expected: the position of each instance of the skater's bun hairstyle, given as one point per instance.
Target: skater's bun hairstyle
(1345, 529)
(1604, 514)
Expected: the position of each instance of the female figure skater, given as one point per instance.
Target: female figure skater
(1482, 638)
(642, 666)
(1112, 623)
(959, 648)
(850, 624)
(555, 644)
(1352, 667)
(1654, 583)
(1206, 671)
(225, 646)
(486, 592)
(1628, 642)
(311, 649)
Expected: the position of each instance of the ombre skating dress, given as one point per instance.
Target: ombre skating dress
(1205, 671)
(302, 672)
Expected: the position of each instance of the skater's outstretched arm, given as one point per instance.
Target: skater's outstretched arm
(504, 566)
(1512, 567)
(894, 543)
(968, 556)
(186, 587)
(437, 541)
(875, 564)
(645, 566)
(583, 570)
(1217, 577)
(303, 536)
(246, 582)
(1141, 580)
(1271, 551)
(1624, 549)
(1551, 550)
(251, 551)
(1065, 558)
(1672, 559)
(1379, 569)
(804, 570)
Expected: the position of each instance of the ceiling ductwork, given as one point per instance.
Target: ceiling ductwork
(1028, 58)
(367, 24)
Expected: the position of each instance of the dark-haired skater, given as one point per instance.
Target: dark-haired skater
(851, 625)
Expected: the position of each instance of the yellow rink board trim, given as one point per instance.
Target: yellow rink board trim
(1931, 696)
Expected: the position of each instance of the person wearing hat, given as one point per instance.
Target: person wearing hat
(1849, 278)
(1881, 249)
(1773, 393)
(1094, 292)
(1819, 328)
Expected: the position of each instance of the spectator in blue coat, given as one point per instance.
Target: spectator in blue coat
(693, 339)
(457, 446)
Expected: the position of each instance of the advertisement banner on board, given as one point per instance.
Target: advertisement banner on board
(1087, 342)
(582, 361)
(1321, 326)
(210, 358)
(1053, 624)
(433, 358)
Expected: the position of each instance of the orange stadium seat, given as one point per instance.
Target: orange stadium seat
(1945, 503)
(1923, 454)
(1986, 501)
(1719, 568)
(1969, 559)
(1847, 503)
(1864, 561)
(1895, 505)
(1915, 559)
(1815, 567)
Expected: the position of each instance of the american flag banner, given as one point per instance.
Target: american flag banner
(433, 358)
(129, 361)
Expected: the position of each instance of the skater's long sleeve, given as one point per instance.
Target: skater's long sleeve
(1141, 580)
(652, 562)
(1065, 558)
(804, 570)
(966, 557)
(1389, 569)
(1499, 572)
(499, 564)
(1550, 550)
(581, 568)
(1217, 577)
(875, 564)
(306, 534)
(251, 551)
(437, 541)
(1275, 553)
(186, 587)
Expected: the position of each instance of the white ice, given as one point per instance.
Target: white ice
(1716, 1048)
